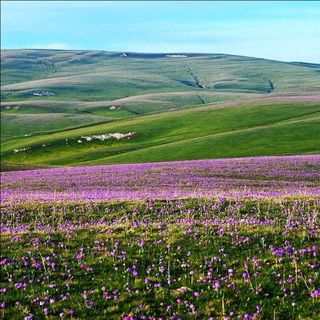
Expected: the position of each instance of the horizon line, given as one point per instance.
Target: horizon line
(167, 53)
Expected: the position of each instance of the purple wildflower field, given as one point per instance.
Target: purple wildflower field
(211, 239)
(241, 177)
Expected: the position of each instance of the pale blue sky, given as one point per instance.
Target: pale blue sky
(287, 31)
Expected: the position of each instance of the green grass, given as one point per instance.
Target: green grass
(277, 139)
(94, 87)
(10, 166)
(106, 75)
(112, 110)
(205, 132)
(17, 125)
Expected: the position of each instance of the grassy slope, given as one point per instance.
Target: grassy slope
(90, 82)
(45, 123)
(278, 139)
(103, 77)
(94, 87)
(208, 132)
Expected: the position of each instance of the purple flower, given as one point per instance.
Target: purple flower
(315, 293)
(216, 285)
(21, 285)
(85, 294)
(134, 273)
(246, 275)
(4, 262)
(147, 280)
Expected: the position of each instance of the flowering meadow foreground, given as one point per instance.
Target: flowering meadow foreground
(212, 239)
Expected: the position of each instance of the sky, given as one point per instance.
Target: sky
(287, 31)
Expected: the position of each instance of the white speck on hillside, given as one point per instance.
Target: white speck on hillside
(176, 56)
(21, 149)
(108, 136)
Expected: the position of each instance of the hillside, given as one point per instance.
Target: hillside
(177, 107)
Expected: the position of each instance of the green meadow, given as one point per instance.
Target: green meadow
(190, 107)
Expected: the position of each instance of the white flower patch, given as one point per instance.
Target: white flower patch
(21, 149)
(108, 136)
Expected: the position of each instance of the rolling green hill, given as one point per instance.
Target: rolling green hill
(183, 106)
(205, 132)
